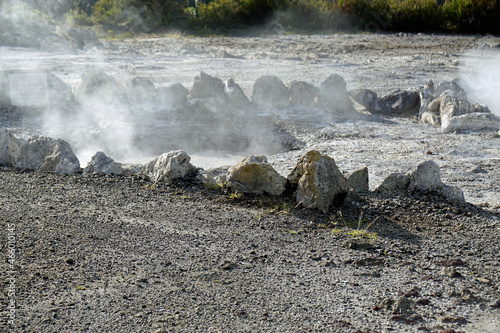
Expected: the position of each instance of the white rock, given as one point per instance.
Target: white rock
(46, 154)
(100, 163)
(9, 148)
(319, 182)
(169, 166)
(254, 175)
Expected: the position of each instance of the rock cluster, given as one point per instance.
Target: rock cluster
(424, 178)
(169, 166)
(447, 106)
(39, 153)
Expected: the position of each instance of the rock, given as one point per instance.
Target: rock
(425, 177)
(141, 90)
(28, 89)
(319, 182)
(451, 107)
(402, 305)
(452, 193)
(365, 97)
(302, 93)
(472, 121)
(169, 166)
(453, 319)
(395, 183)
(358, 180)
(218, 175)
(235, 94)
(206, 86)
(254, 175)
(100, 163)
(334, 96)
(172, 96)
(398, 103)
(452, 87)
(48, 155)
(99, 86)
(270, 92)
(9, 148)
(426, 97)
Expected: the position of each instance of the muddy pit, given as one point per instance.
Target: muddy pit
(382, 63)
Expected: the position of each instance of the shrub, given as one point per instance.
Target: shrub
(415, 15)
(473, 16)
(371, 15)
(310, 15)
(229, 14)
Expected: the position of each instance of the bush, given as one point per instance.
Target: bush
(370, 15)
(415, 15)
(230, 14)
(310, 15)
(473, 16)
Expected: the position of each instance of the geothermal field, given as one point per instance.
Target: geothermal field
(125, 248)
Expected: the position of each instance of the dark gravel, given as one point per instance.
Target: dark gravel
(121, 254)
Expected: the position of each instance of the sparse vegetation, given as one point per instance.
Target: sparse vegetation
(357, 228)
(235, 195)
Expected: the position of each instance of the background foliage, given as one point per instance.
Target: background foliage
(226, 16)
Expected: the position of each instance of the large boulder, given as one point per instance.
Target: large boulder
(235, 95)
(303, 93)
(206, 86)
(102, 164)
(9, 148)
(141, 90)
(398, 103)
(365, 97)
(46, 154)
(456, 113)
(29, 89)
(254, 175)
(97, 85)
(269, 92)
(426, 97)
(358, 180)
(334, 96)
(172, 96)
(169, 166)
(318, 182)
(424, 178)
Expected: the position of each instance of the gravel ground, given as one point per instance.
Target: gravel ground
(117, 254)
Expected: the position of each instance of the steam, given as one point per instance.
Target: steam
(481, 71)
(130, 123)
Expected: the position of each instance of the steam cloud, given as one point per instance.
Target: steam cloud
(481, 71)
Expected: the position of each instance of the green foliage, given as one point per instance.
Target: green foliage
(310, 15)
(415, 15)
(231, 14)
(472, 16)
(79, 18)
(120, 17)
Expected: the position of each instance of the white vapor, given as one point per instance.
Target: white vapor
(481, 71)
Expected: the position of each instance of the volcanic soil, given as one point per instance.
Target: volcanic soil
(122, 254)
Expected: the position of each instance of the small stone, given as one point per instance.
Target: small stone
(423, 301)
(227, 266)
(70, 261)
(453, 320)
